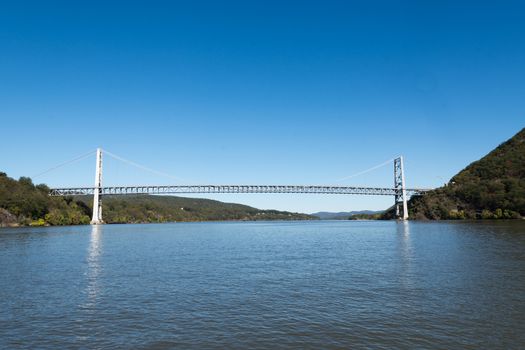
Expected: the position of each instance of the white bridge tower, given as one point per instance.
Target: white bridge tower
(400, 190)
(97, 194)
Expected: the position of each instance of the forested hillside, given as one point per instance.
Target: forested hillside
(144, 208)
(490, 188)
(23, 203)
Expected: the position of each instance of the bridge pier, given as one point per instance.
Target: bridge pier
(400, 201)
(97, 193)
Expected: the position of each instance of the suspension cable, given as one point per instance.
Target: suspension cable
(76, 159)
(141, 166)
(366, 171)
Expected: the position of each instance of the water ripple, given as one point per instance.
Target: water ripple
(330, 285)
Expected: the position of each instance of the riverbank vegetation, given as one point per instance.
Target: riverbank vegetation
(147, 208)
(490, 188)
(23, 203)
(366, 216)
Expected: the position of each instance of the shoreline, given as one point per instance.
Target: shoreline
(17, 225)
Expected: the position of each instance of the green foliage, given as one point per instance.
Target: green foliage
(455, 214)
(375, 216)
(32, 205)
(147, 208)
(490, 188)
(23, 203)
(39, 222)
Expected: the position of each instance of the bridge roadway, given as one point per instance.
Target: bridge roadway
(127, 190)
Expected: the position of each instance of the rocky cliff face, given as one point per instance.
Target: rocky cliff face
(7, 219)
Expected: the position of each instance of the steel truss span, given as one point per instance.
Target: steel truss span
(123, 190)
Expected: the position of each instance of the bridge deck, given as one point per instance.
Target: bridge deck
(123, 190)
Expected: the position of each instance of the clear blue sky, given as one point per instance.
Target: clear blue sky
(297, 92)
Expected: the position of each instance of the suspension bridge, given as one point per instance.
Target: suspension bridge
(398, 191)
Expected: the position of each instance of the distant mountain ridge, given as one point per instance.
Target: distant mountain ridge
(343, 215)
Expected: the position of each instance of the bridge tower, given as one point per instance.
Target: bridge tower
(400, 189)
(97, 194)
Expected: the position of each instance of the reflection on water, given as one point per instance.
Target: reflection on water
(405, 251)
(403, 233)
(301, 285)
(404, 244)
(403, 228)
(93, 266)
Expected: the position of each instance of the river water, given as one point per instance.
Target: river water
(261, 285)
